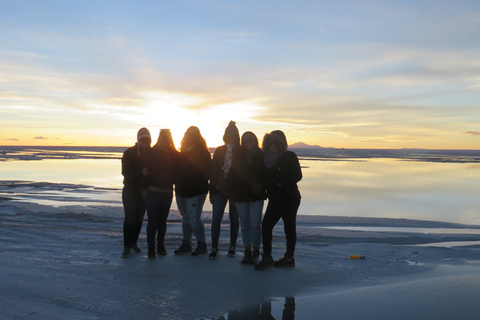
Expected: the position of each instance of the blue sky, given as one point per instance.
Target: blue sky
(358, 74)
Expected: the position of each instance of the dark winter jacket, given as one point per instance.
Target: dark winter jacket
(281, 179)
(133, 161)
(192, 172)
(219, 184)
(159, 174)
(250, 182)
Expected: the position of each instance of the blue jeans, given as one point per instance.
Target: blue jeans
(219, 204)
(191, 211)
(250, 214)
(158, 208)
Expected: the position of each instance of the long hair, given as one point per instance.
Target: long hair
(194, 131)
(250, 134)
(165, 139)
(276, 138)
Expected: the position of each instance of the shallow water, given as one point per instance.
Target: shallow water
(388, 188)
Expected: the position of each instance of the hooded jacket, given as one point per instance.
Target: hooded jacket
(282, 176)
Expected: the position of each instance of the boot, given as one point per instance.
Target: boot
(135, 248)
(151, 252)
(248, 255)
(200, 249)
(126, 252)
(288, 261)
(255, 255)
(161, 249)
(185, 247)
(267, 262)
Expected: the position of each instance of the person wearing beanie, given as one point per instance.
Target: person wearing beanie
(282, 174)
(222, 179)
(133, 164)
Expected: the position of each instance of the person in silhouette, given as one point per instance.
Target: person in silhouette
(249, 195)
(220, 188)
(281, 177)
(191, 188)
(159, 182)
(133, 162)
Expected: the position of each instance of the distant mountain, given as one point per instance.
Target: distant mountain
(303, 145)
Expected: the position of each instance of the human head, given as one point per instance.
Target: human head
(191, 137)
(143, 137)
(165, 138)
(231, 135)
(249, 140)
(275, 140)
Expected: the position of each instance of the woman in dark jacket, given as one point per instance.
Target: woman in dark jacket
(159, 182)
(222, 180)
(249, 196)
(191, 188)
(282, 174)
(133, 161)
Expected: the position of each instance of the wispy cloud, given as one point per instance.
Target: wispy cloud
(473, 133)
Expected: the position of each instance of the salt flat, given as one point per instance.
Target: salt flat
(63, 262)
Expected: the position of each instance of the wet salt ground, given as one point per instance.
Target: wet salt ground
(64, 262)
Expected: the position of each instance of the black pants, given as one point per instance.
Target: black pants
(134, 208)
(276, 210)
(158, 208)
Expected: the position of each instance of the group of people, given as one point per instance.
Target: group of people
(240, 173)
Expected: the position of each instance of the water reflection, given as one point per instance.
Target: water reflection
(263, 311)
(381, 188)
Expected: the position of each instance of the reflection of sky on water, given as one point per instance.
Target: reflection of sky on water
(392, 188)
(371, 188)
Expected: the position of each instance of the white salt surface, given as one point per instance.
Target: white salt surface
(63, 262)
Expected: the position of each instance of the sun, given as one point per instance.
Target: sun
(177, 112)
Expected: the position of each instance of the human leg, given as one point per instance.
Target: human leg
(272, 216)
(134, 210)
(234, 224)
(255, 221)
(218, 208)
(243, 214)
(186, 245)
(164, 211)
(289, 217)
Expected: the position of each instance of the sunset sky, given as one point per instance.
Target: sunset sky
(346, 74)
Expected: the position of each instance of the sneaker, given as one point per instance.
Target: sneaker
(267, 262)
(151, 253)
(200, 249)
(231, 251)
(288, 261)
(246, 257)
(126, 252)
(161, 249)
(255, 256)
(213, 254)
(185, 247)
(135, 248)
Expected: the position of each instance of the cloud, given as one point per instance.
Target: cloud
(44, 138)
(13, 139)
(472, 133)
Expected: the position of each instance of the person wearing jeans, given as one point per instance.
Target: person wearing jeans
(249, 195)
(223, 176)
(191, 188)
(191, 209)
